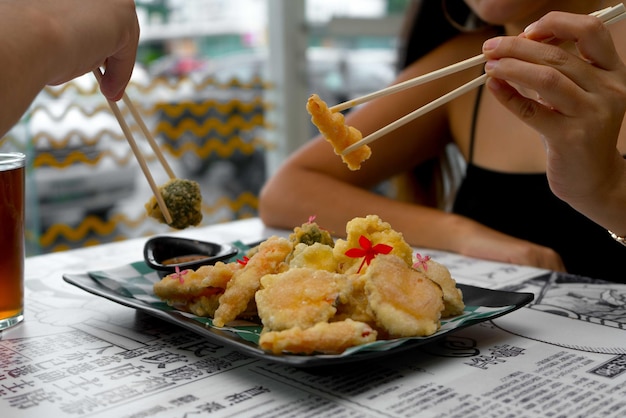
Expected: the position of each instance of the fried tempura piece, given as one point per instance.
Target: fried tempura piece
(317, 256)
(299, 297)
(240, 290)
(187, 291)
(309, 233)
(323, 337)
(378, 232)
(218, 274)
(332, 126)
(356, 306)
(183, 200)
(404, 301)
(452, 295)
(313, 298)
(205, 305)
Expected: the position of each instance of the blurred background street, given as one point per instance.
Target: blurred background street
(209, 84)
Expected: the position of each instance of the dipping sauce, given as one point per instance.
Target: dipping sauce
(183, 259)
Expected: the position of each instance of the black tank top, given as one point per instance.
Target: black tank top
(523, 206)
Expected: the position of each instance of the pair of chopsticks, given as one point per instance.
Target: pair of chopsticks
(608, 16)
(136, 151)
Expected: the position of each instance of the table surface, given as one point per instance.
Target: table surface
(77, 354)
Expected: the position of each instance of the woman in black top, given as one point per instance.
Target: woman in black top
(544, 160)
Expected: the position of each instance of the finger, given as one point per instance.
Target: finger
(119, 66)
(545, 55)
(591, 36)
(555, 89)
(531, 112)
(116, 77)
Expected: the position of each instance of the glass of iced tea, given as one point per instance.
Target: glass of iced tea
(11, 239)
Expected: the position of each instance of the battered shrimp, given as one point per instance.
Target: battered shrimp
(452, 295)
(334, 129)
(187, 291)
(299, 297)
(404, 301)
(240, 290)
(323, 337)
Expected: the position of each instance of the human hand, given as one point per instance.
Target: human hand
(579, 103)
(93, 33)
(473, 239)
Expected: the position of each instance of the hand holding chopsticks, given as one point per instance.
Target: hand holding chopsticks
(137, 152)
(608, 16)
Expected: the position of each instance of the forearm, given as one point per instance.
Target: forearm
(299, 190)
(26, 51)
(290, 198)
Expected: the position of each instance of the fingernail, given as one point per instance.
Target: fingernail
(530, 27)
(490, 65)
(491, 44)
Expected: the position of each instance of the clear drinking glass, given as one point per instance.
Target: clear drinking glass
(12, 178)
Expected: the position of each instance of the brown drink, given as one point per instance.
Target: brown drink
(11, 239)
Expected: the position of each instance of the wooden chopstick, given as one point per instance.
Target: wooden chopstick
(425, 78)
(148, 135)
(417, 113)
(608, 15)
(137, 152)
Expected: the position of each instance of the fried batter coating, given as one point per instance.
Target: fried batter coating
(299, 297)
(378, 232)
(404, 301)
(317, 256)
(240, 290)
(183, 200)
(323, 337)
(312, 298)
(187, 291)
(205, 306)
(309, 233)
(452, 295)
(332, 126)
(218, 274)
(356, 306)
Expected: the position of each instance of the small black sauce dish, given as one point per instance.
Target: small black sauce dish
(165, 253)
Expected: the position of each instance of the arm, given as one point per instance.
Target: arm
(314, 181)
(49, 42)
(581, 113)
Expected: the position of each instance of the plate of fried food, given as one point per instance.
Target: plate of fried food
(311, 300)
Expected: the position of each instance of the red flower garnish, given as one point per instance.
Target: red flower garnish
(367, 251)
(243, 261)
(179, 274)
(421, 262)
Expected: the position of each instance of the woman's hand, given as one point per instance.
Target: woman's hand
(564, 78)
(470, 238)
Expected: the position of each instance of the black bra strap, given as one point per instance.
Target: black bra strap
(473, 127)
